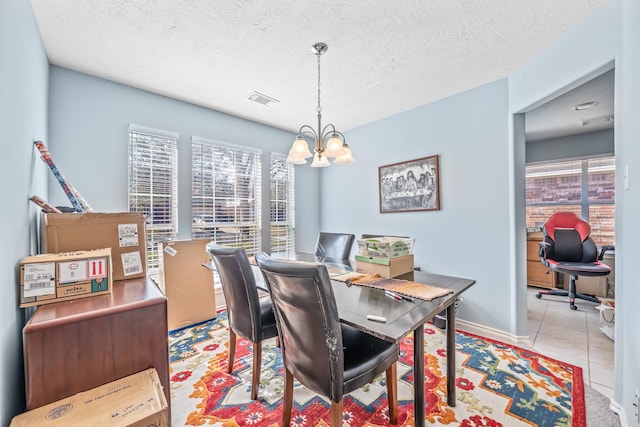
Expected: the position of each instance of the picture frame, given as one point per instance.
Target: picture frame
(410, 186)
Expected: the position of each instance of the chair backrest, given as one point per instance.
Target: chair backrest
(240, 292)
(334, 245)
(308, 323)
(569, 238)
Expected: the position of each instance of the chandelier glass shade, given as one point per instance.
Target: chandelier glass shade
(328, 142)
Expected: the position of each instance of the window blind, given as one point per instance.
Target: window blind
(282, 211)
(585, 187)
(226, 191)
(153, 184)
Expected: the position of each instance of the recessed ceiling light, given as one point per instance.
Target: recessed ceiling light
(585, 106)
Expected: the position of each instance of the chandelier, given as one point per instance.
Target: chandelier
(328, 141)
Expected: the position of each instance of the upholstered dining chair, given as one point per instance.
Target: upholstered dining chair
(326, 356)
(249, 315)
(568, 248)
(334, 245)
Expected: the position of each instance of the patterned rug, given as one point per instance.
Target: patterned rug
(497, 385)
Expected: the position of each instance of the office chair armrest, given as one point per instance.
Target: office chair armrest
(603, 249)
(542, 249)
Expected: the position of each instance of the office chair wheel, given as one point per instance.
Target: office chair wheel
(539, 295)
(573, 306)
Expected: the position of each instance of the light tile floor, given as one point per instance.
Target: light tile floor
(570, 336)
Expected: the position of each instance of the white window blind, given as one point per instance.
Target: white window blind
(226, 192)
(153, 184)
(282, 212)
(585, 187)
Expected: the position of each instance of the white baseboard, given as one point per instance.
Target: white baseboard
(615, 407)
(492, 333)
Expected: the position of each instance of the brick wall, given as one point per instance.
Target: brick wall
(561, 190)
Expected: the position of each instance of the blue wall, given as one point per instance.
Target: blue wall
(467, 236)
(24, 73)
(475, 134)
(88, 139)
(592, 144)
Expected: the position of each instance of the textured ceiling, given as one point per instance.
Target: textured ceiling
(384, 56)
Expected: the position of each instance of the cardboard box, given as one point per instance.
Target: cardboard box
(49, 278)
(590, 285)
(133, 401)
(186, 282)
(385, 267)
(385, 247)
(123, 232)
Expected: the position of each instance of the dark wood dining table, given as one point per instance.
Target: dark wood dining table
(402, 317)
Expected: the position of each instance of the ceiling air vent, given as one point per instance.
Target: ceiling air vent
(603, 120)
(261, 98)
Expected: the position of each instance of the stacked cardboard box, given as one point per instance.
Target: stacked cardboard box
(123, 232)
(133, 401)
(385, 267)
(385, 255)
(49, 278)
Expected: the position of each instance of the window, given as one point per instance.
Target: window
(585, 187)
(153, 184)
(226, 194)
(282, 210)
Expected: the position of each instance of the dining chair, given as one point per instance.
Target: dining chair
(250, 316)
(326, 356)
(334, 245)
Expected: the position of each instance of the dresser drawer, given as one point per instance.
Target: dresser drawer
(532, 250)
(539, 275)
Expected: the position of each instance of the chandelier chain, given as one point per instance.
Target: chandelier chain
(319, 109)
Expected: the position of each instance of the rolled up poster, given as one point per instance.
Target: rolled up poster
(44, 205)
(68, 189)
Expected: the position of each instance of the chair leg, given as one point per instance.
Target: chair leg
(392, 393)
(232, 350)
(571, 293)
(287, 398)
(257, 366)
(573, 287)
(336, 413)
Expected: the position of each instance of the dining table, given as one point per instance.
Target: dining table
(395, 318)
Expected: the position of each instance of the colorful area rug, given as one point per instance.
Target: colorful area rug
(497, 385)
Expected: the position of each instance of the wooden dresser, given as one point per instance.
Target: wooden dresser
(537, 273)
(74, 346)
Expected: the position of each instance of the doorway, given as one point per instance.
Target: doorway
(568, 150)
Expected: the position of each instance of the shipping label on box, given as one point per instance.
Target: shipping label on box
(50, 278)
(133, 401)
(123, 232)
(132, 264)
(128, 235)
(39, 279)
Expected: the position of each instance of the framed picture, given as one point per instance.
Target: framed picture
(410, 186)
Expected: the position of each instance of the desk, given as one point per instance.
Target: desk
(73, 346)
(403, 317)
